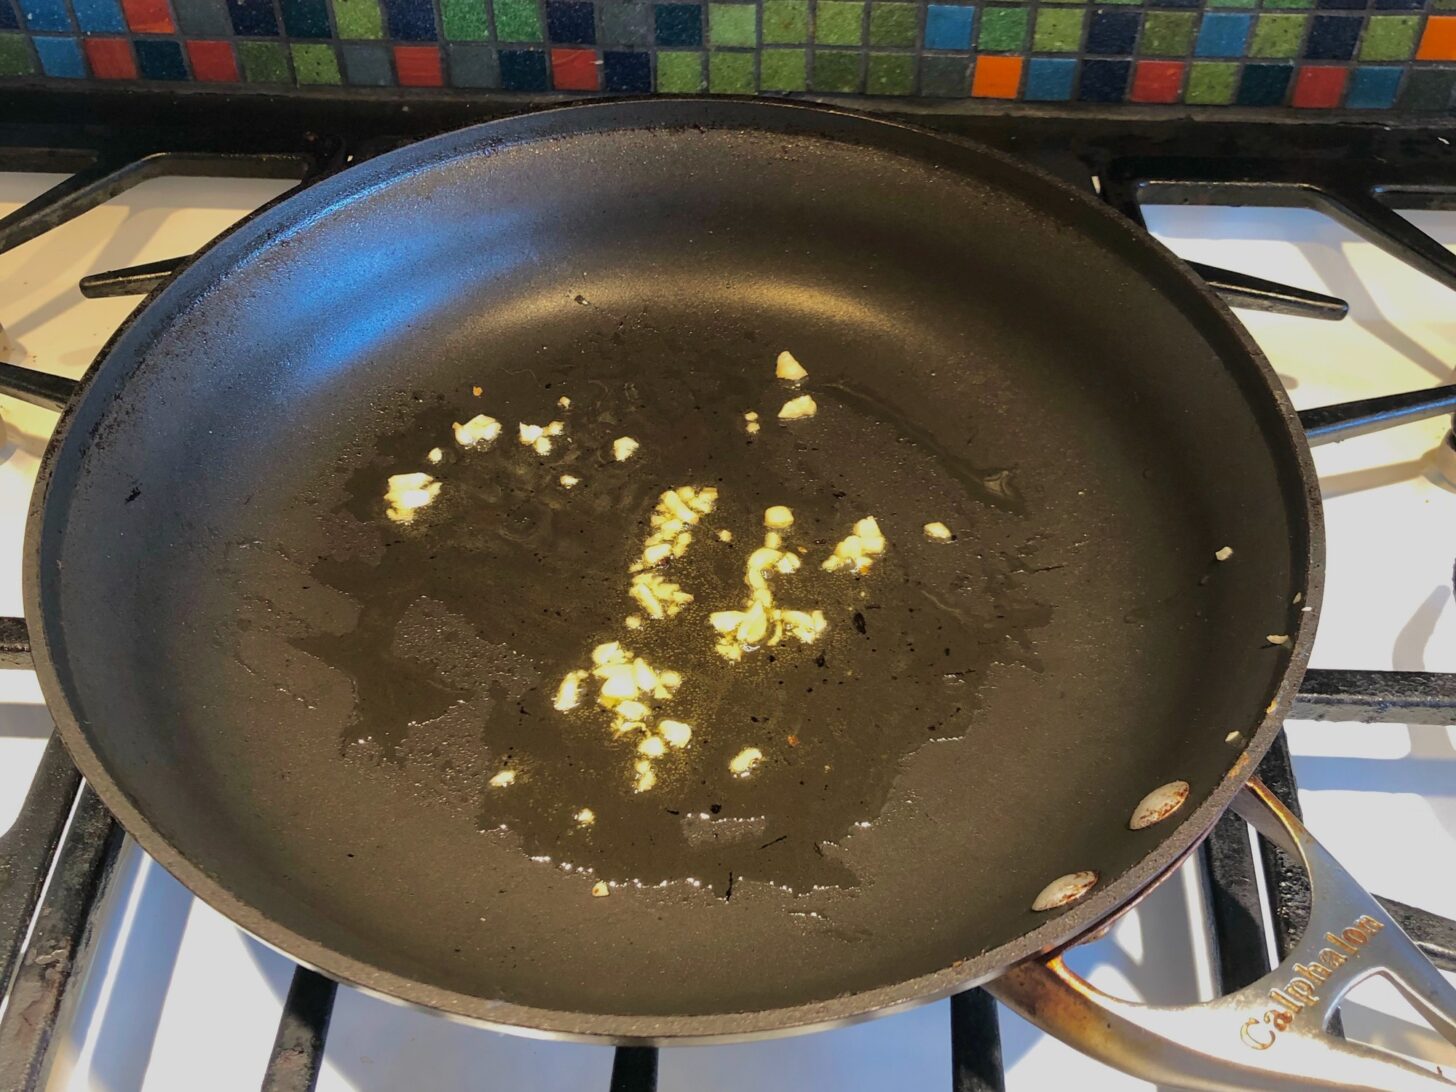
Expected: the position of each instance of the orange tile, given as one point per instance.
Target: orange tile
(1438, 43)
(996, 77)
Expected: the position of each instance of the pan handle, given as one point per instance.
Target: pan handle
(1271, 1034)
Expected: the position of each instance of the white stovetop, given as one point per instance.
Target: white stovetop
(179, 999)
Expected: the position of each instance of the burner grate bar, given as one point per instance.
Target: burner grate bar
(975, 1044)
(59, 944)
(298, 1050)
(634, 1069)
(131, 280)
(1257, 294)
(42, 389)
(1386, 697)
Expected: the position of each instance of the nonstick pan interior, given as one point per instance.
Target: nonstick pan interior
(297, 704)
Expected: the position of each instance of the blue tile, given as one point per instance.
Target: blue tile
(948, 26)
(1050, 79)
(46, 15)
(305, 18)
(1373, 88)
(94, 16)
(1264, 84)
(366, 64)
(626, 72)
(410, 20)
(160, 59)
(522, 70)
(678, 24)
(253, 18)
(1223, 34)
(1333, 37)
(1104, 81)
(572, 22)
(60, 57)
(1113, 32)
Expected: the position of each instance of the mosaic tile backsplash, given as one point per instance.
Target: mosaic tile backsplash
(1297, 55)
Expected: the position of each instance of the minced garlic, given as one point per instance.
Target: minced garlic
(407, 493)
(797, 408)
(742, 764)
(623, 448)
(786, 367)
(859, 550)
(938, 531)
(480, 429)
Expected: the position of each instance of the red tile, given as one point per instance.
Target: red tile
(418, 65)
(996, 77)
(574, 70)
(148, 16)
(111, 58)
(1320, 85)
(1438, 43)
(1157, 81)
(213, 62)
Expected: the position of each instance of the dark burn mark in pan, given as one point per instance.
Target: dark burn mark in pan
(469, 618)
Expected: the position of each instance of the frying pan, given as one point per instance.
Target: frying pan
(298, 705)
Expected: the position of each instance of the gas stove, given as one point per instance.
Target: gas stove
(115, 977)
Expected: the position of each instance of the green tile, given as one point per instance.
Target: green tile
(263, 62)
(836, 70)
(358, 19)
(730, 73)
(1165, 33)
(1211, 82)
(1289, 3)
(679, 72)
(315, 63)
(1003, 30)
(945, 77)
(1277, 36)
(894, 24)
(1233, 3)
(733, 25)
(838, 22)
(1389, 38)
(1058, 30)
(465, 20)
(783, 70)
(515, 21)
(1445, 5)
(15, 59)
(786, 21)
(1045, 2)
(1129, 3)
(891, 74)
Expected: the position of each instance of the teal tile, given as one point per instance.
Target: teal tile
(625, 24)
(945, 77)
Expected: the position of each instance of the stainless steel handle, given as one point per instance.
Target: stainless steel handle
(1271, 1034)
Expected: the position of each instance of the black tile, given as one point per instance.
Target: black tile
(8, 19)
(1104, 81)
(253, 18)
(1333, 37)
(1429, 89)
(1175, 3)
(410, 20)
(522, 70)
(1113, 32)
(1264, 84)
(1341, 5)
(572, 22)
(678, 24)
(1399, 5)
(158, 59)
(626, 72)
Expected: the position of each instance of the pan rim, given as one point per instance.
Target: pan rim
(532, 1021)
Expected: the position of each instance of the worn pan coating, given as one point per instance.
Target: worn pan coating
(295, 704)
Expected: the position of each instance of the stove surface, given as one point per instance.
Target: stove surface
(178, 998)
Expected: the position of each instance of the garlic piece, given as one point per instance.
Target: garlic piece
(600, 889)
(568, 480)
(502, 779)
(408, 493)
(435, 455)
(480, 429)
(1223, 553)
(585, 817)
(646, 778)
(725, 535)
(751, 424)
(1277, 638)
(937, 531)
(742, 764)
(568, 694)
(652, 747)
(675, 732)
(564, 402)
(796, 408)
(623, 448)
(859, 550)
(786, 367)
(778, 517)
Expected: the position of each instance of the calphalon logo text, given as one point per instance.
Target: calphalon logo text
(1299, 993)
